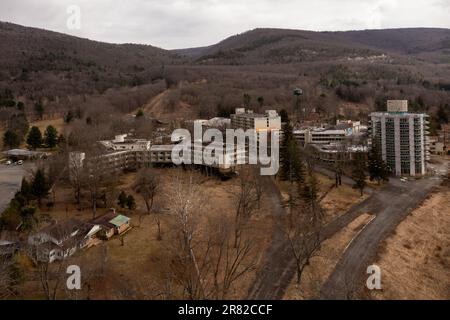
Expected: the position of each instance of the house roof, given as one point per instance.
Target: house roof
(62, 230)
(104, 220)
(7, 236)
(93, 230)
(119, 220)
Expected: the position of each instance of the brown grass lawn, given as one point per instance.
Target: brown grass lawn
(42, 125)
(139, 268)
(336, 201)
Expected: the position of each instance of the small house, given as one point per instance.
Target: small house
(121, 224)
(57, 241)
(106, 229)
(109, 224)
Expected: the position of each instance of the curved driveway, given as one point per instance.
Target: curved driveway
(391, 205)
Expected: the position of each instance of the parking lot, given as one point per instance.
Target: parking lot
(10, 180)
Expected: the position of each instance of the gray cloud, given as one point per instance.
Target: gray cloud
(188, 23)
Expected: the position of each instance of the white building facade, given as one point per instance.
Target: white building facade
(246, 119)
(402, 137)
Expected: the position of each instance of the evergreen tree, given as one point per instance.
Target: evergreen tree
(20, 106)
(378, 169)
(122, 199)
(443, 114)
(308, 192)
(247, 99)
(291, 168)
(51, 137)
(34, 138)
(40, 186)
(284, 116)
(18, 124)
(28, 218)
(359, 172)
(140, 114)
(260, 101)
(11, 139)
(25, 189)
(130, 202)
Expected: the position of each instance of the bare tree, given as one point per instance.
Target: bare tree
(303, 223)
(303, 237)
(77, 175)
(99, 182)
(51, 276)
(207, 260)
(188, 273)
(147, 184)
(157, 218)
(259, 185)
(6, 277)
(230, 262)
(246, 201)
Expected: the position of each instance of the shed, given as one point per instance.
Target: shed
(121, 223)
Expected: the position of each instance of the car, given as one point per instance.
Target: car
(20, 162)
(8, 163)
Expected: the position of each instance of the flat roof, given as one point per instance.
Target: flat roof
(251, 115)
(21, 152)
(386, 113)
(163, 147)
(320, 131)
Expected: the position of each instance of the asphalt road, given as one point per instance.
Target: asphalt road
(391, 205)
(270, 275)
(10, 181)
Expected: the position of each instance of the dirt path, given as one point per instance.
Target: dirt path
(267, 278)
(157, 108)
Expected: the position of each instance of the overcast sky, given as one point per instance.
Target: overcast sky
(189, 23)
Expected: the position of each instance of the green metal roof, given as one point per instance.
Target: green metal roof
(119, 220)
